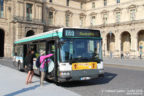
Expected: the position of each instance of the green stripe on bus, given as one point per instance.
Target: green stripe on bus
(59, 34)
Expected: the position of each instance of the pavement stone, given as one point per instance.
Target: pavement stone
(12, 83)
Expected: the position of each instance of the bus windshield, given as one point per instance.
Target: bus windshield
(80, 50)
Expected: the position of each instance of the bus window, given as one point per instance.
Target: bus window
(40, 46)
(19, 50)
(51, 47)
(51, 50)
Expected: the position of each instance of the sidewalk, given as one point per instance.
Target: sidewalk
(12, 83)
(124, 62)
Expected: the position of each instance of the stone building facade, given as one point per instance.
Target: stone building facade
(18, 19)
(121, 24)
(120, 21)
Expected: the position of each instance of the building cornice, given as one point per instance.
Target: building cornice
(69, 8)
(118, 24)
(36, 1)
(129, 3)
(83, 1)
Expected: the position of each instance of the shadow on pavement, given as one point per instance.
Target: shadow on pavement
(103, 80)
(22, 90)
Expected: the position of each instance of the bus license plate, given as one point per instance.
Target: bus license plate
(85, 78)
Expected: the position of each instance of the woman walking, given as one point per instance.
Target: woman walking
(29, 63)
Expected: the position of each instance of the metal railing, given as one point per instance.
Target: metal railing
(27, 19)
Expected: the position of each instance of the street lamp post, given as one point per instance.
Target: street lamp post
(104, 49)
(141, 51)
(110, 43)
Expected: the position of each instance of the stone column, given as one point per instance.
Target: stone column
(34, 11)
(105, 53)
(134, 43)
(118, 44)
(104, 49)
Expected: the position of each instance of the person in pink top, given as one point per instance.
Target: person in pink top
(42, 60)
(43, 66)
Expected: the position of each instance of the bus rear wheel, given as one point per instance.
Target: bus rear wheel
(19, 66)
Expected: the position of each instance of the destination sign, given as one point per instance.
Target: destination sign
(81, 33)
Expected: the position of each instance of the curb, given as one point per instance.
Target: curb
(125, 66)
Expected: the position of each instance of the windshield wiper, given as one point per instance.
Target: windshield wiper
(74, 60)
(79, 60)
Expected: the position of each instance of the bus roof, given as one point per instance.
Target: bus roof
(52, 33)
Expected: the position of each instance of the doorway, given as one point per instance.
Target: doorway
(1, 43)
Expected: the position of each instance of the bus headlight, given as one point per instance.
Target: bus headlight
(101, 71)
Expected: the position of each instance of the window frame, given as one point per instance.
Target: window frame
(29, 14)
(93, 5)
(117, 16)
(105, 2)
(67, 2)
(105, 18)
(50, 1)
(118, 1)
(51, 18)
(1, 8)
(93, 18)
(67, 17)
(132, 14)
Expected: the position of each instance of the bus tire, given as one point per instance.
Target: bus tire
(19, 66)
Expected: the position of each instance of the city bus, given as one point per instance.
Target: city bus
(77, 53)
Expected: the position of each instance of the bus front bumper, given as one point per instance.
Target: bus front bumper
(81, 75)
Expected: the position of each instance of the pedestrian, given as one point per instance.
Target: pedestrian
(122, 56)
(111, 55)
(29, 64)
(140, 54)
(43, 66)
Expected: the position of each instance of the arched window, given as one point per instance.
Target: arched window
(125, 42)
(30, 33)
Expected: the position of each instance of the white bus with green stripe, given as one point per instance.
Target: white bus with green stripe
(77, 53)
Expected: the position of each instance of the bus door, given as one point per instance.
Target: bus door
(28, 47)
(52, 69)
